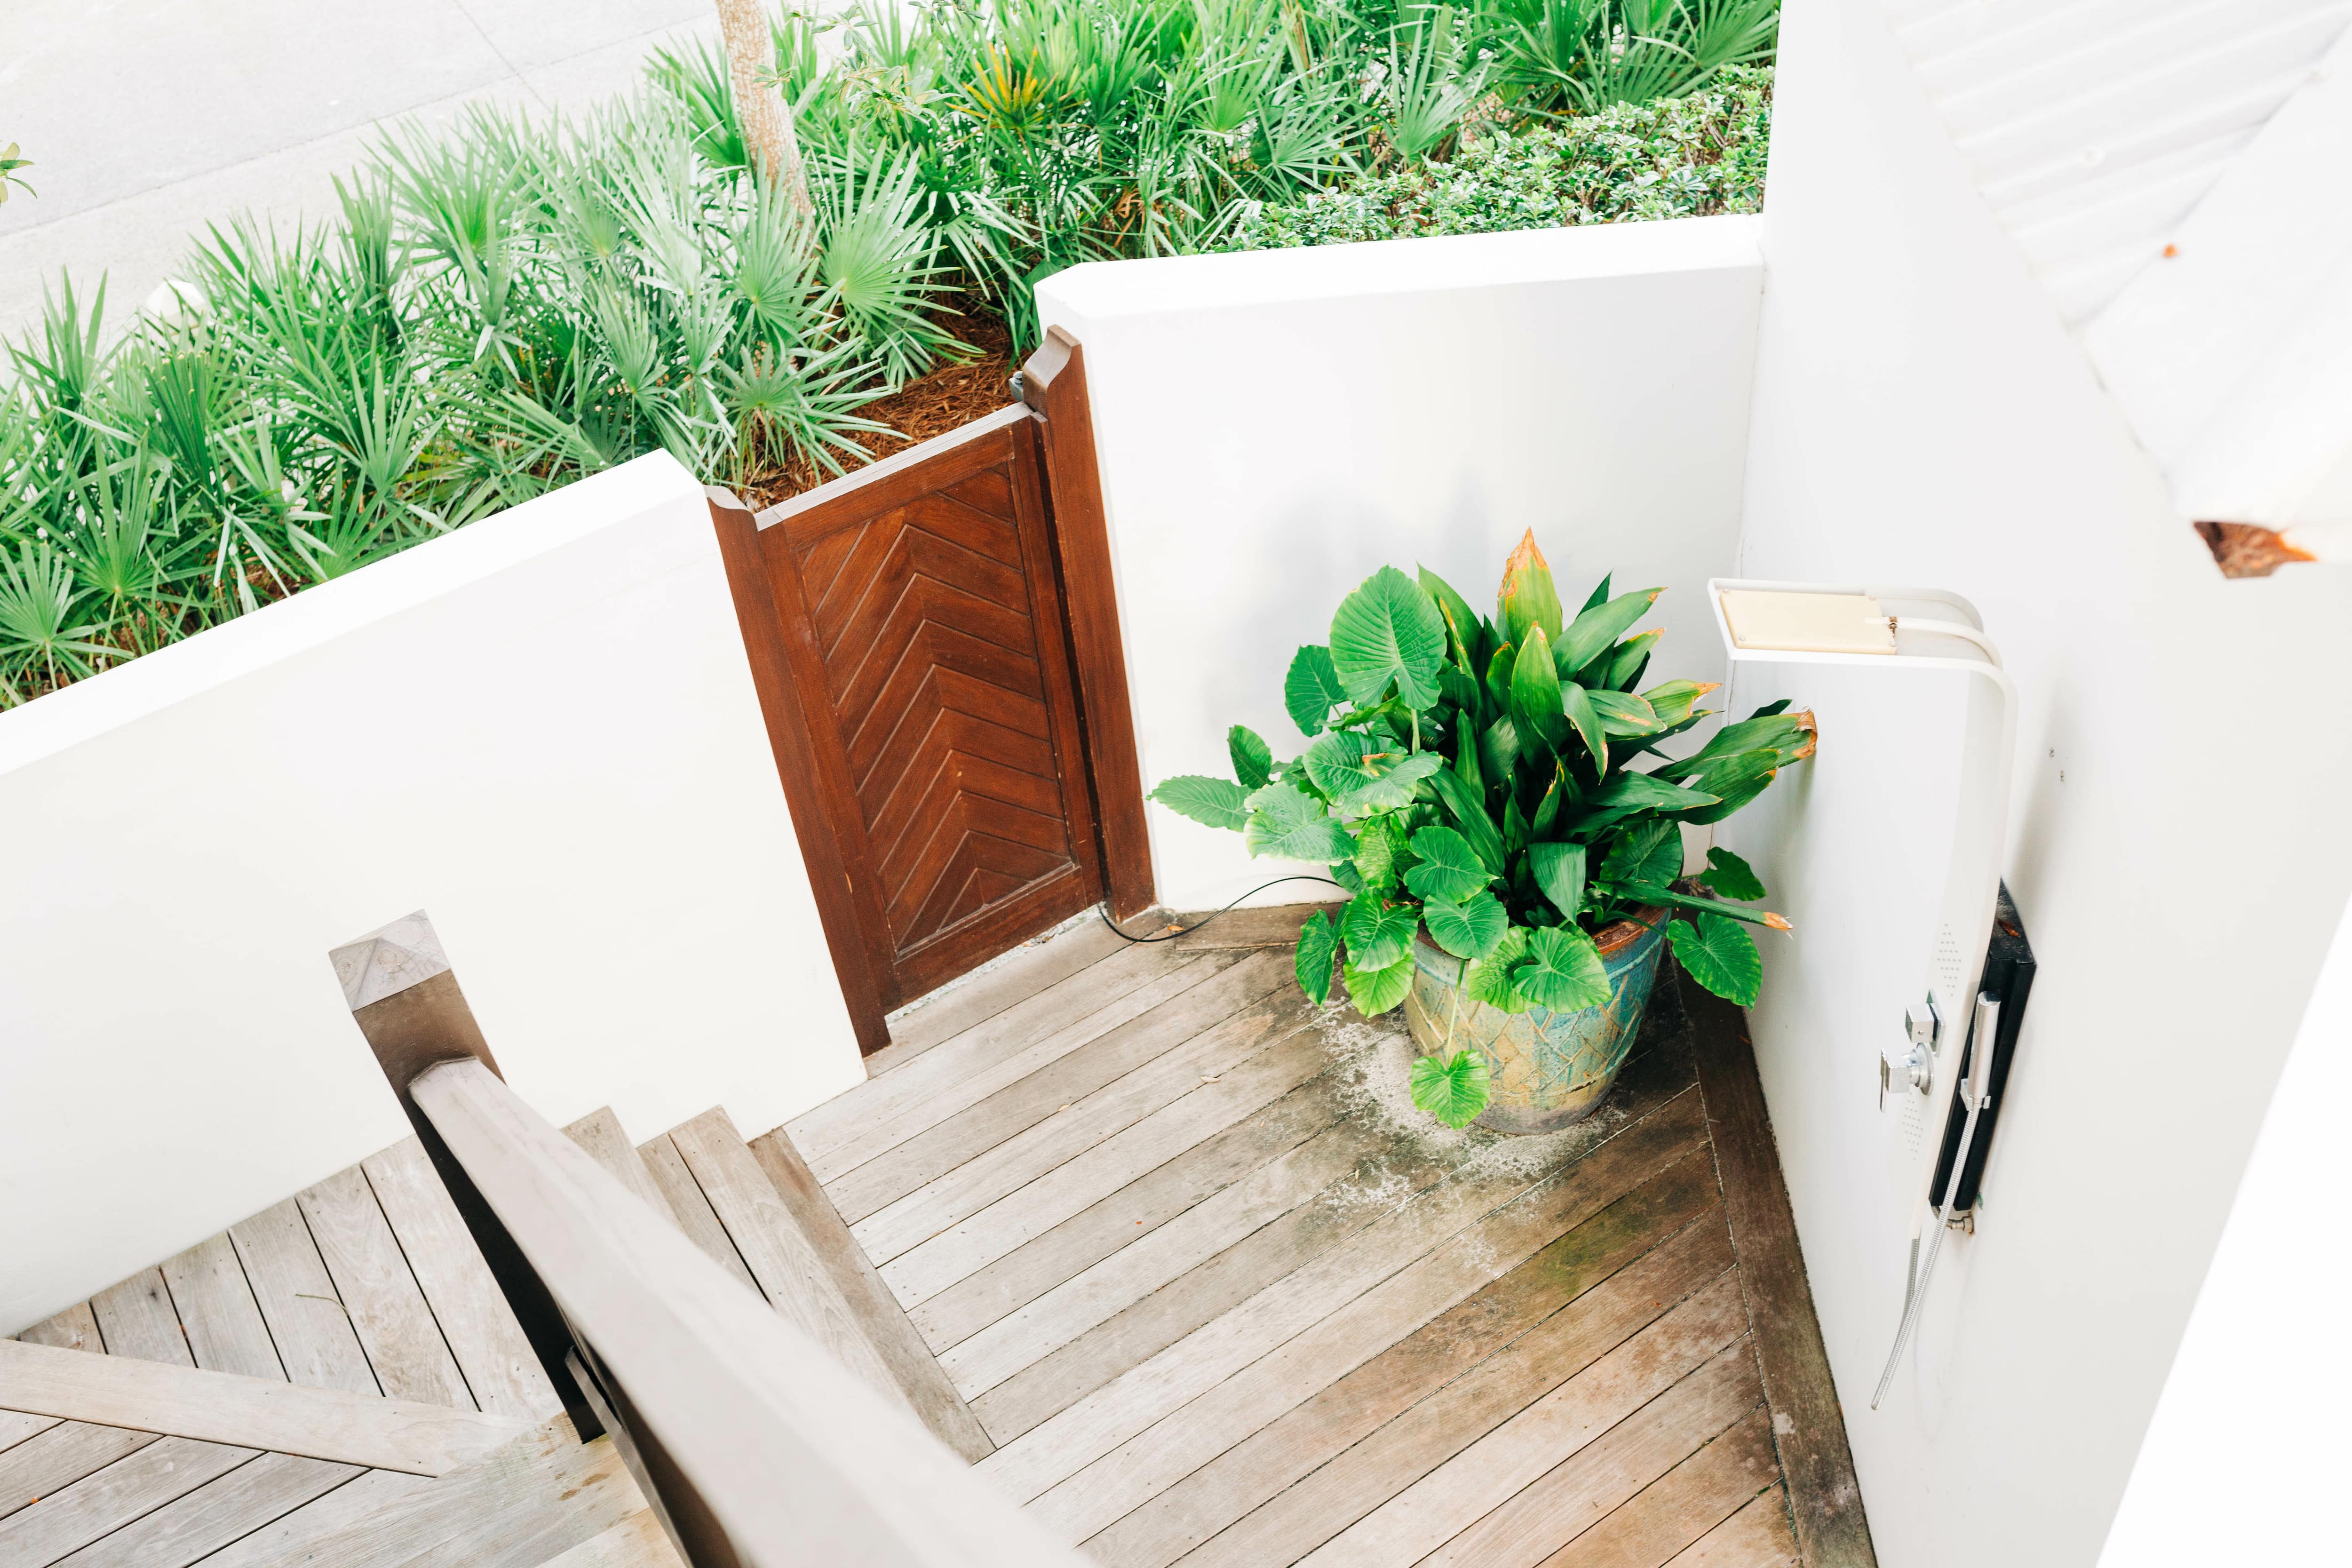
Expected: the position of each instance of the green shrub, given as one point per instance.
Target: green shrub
(505, 308)
(497, 311)
(1689, 157)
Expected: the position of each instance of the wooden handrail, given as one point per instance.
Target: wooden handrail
(759, 1448)
(753, 1445)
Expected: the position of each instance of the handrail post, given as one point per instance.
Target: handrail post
(404, 996)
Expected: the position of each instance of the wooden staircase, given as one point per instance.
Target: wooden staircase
(220, 1423)
(1136, 1232)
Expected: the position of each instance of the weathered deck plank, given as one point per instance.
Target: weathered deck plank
(1395, 1277)
(270, 1545)
(783, 1265)
(1682, 1506)
(137, 1320)
(1151, 1200)
(1187, 1351)
(211, 1516)
(1758, 1536)
(59, 1456)
(1072, 1170)
(1129, 1228)
(1043, 1328)
(1489, 1472)
(692, 1210)
(388, 1311)
(217, 1312)
(884, 1112)
(1809, 1426)
(501, 1369)
(1366, 1435)
(1179, 1004)
(104, 1501)
(601, 1133)
(1020, 974)
(307, 1321)
(247, 1412)
(884, 1321)
(75, 1329)
(1581, 1489)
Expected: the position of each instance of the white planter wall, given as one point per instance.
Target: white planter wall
(540, 729)
(1921, 417)
(1275, 425)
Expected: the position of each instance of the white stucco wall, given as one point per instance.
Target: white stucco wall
(540, 729)
(1921, 417)
(1273, 426)
(2246, 1455)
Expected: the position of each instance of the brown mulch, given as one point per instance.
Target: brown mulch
(931, 404)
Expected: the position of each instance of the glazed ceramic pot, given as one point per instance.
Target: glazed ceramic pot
(1544, 1070)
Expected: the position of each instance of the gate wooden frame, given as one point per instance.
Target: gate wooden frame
(1101, 777)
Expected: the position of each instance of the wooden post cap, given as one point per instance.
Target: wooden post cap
(388, 960)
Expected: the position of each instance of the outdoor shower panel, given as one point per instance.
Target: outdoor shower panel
(1944, 1062)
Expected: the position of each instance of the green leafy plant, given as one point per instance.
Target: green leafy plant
(1579, 57)
(495, 312)
(504, 306)
(1683, 157)
(9, 164)
(1500, 784)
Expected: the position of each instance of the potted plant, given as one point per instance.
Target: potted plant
(1493, 795)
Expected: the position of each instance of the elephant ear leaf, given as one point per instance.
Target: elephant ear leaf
(1460, 622)
(1386, 632)
(1356, 770)
(1489, 979)
(1288, 824)
(1318, 944)
(1377, 934)
(1311, 689)
(1454, 1089)
(1375, 991)
(1721, 955)
(1471, 928)
(1528, 597)
(1651, 854)
(1449, 871)
(1252, 758)
(1562, 971)
(1220, 802)
(1730, 875)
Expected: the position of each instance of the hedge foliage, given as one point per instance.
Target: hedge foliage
(1689, 157)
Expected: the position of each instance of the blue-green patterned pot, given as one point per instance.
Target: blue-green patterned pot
(1544, 1070)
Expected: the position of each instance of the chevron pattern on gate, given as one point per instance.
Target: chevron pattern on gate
(929, 642)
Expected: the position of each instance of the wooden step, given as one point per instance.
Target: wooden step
(784, 1266)
(919, 1374)
(524, 1506)
(760, 1211)
(368, 1282)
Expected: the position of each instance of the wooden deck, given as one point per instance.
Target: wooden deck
(1160, 1246)
(368, 1283)
(1218, 1295)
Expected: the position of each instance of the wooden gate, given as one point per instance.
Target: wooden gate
(913, 650)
